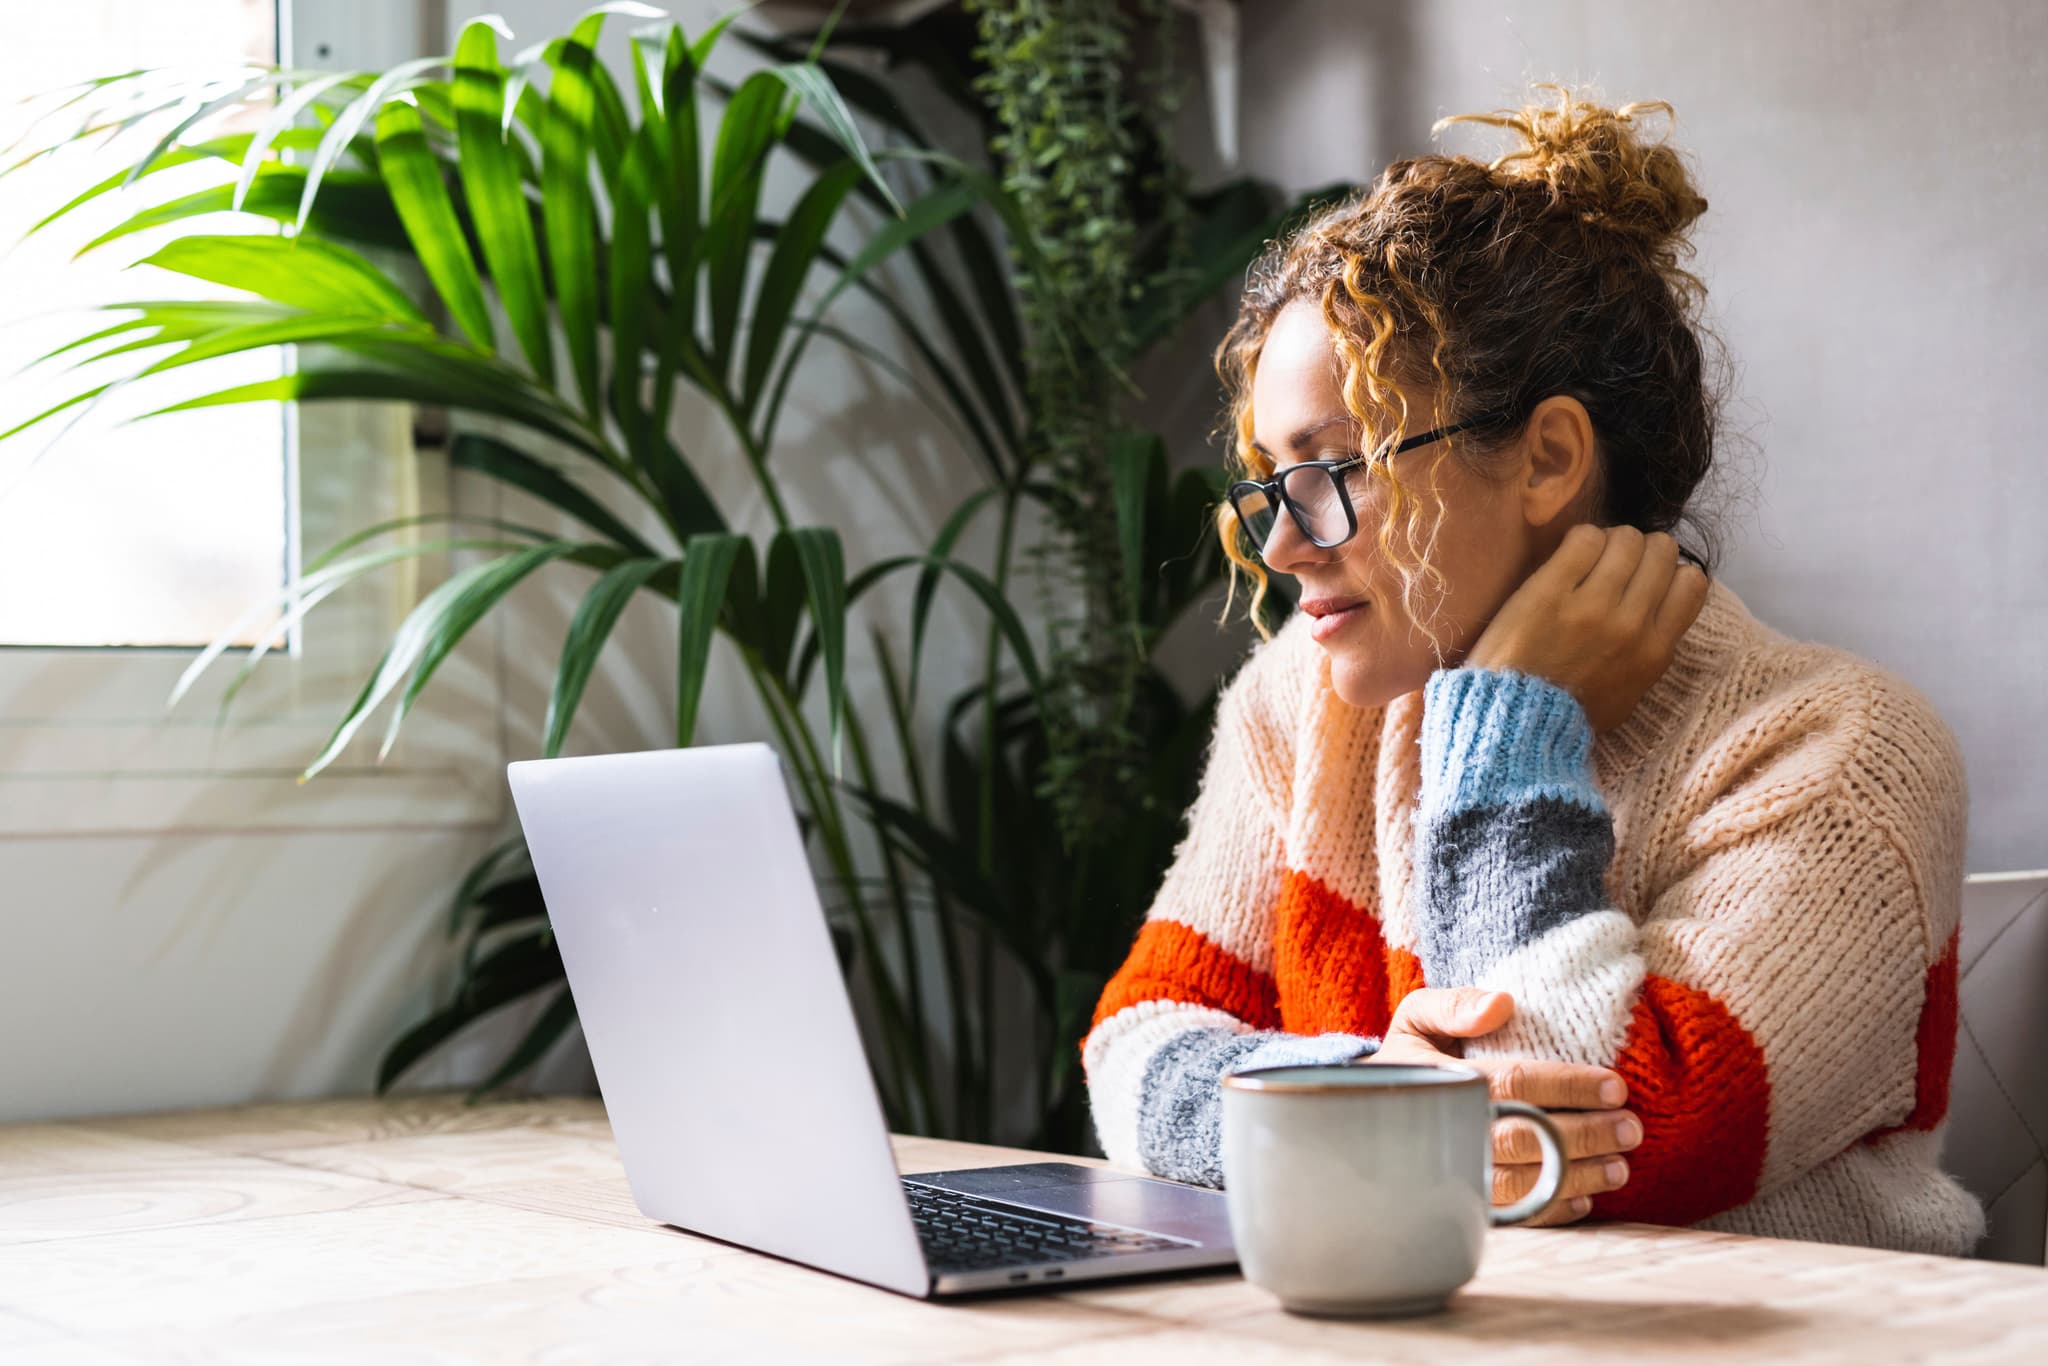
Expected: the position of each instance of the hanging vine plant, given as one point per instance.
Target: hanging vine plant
(1073, 120)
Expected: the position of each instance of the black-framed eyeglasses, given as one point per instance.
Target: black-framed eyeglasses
(1314, 494)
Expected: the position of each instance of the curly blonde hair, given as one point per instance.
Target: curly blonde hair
(1553, 269)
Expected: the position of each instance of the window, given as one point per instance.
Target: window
(112, 533)
(163, 533)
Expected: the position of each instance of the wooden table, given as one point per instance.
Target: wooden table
(424, 1230)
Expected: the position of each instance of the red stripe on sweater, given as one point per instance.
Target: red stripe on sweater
(1698, 1082)
(1335, 969)
(1934, 1044)
(1170, 962)
(1936, 1041)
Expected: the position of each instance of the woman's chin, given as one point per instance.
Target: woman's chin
(1366, 683)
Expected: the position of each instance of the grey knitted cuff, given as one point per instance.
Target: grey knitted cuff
(1180, 1108)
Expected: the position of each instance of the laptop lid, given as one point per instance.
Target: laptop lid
(713, 1006)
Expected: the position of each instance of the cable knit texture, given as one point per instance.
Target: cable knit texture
(1744, 900)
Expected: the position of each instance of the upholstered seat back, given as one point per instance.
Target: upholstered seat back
(1997, 1141)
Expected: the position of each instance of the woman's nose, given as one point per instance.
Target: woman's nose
(1287, 551)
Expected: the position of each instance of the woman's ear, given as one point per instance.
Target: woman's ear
(1561, 460)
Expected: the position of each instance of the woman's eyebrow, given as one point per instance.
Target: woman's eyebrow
(1301, 438)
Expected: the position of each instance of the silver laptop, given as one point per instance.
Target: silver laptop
(731, 1066)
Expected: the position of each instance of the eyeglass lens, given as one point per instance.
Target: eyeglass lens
(1317, 496)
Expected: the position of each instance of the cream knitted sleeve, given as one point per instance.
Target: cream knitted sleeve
(1195, 998)
(1788, 991)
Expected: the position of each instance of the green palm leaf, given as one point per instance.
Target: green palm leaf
(511, 853)
(299, 272)
(229, 148)
(1137, 482)
(589, 629)
(632, 284)
(946, 202)
(708, 562)
(463, 392)
(815, 88)
(413, 174)
(508, 464)
(350, 122)
(547, 1029)
(681, 205)
(78, 91)
(495, 193)
(303, 602)
(749, 128)
(824, 565)
(277, 130)
(796, 251)
(512, 971)
(310, 589)
(207, 108)
(928, 577)
(166, 320)
(1007, 622)
(700, 51)
(486, 590)
(568, 215)
(356, 208)
(428, 632)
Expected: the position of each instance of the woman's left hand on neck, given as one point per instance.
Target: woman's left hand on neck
(1601, 618)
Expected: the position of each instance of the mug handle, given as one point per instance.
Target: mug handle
(1550, 1179)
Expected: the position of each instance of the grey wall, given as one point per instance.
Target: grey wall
(1874, 254)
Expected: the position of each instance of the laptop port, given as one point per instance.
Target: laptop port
(1020, 1275)
(1053, 1273)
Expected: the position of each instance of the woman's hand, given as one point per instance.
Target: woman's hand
(1600, 618)
(1426, 1028)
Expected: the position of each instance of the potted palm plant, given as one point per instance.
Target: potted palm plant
(570, 331)
(442, 243)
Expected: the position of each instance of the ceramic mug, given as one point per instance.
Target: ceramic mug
(1366, 1189)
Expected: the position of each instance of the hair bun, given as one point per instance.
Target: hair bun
(1597, 164)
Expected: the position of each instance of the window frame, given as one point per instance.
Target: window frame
(87, 744)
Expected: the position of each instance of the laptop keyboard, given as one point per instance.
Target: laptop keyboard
(970, 1233)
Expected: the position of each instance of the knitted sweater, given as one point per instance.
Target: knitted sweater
(1744, 900)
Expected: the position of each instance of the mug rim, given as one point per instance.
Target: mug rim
(1259, 1079)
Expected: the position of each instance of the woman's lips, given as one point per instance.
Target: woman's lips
(1332, 615)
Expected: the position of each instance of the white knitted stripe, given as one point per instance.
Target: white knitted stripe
(1114, 1058)
(1836, 1024)
(1575, 990)
(1228, 893)
(1890, 1193)
(1397, 793)
(1333, 783)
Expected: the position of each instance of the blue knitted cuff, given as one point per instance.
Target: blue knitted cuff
(1297, 1050)
(1494, 737)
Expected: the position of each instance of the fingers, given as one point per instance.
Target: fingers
(1687, 595)
(1594, 1133)
(1554, 1085)
(1650, 583)
(1609, 577)
(1451, 1012)
(1561, 1212)
(1573, 559)
(1585, 1178)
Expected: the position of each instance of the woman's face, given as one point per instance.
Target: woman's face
(1487, 543)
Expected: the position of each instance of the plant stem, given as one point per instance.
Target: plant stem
(804, 762)
(920, 1036)
(991, 756)
(757, 458)
(949, 946)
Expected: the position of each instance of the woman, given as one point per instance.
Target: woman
(1515, 784)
